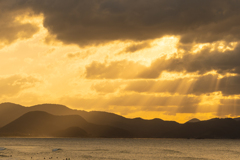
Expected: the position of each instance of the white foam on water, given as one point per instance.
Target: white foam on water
(2, 148)
(56, 149)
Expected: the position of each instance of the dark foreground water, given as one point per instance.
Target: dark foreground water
(118, 149)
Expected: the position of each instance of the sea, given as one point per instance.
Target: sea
(118, 149)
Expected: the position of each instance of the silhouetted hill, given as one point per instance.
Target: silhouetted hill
(193, 120)
(140, 128)
(55, 109)
(10, 112)
(42, 124)
(137, 127)
(237, 119)
(214, 128)
(48, 120)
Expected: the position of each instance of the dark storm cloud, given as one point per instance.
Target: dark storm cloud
(10, 28)
(97, 21)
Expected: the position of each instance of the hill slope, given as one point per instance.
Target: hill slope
(214, 128)
(42, 124)
(50, 120)
(137, 127)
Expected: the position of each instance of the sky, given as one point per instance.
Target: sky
(169, 59)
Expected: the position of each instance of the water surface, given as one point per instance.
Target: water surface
(118, 149)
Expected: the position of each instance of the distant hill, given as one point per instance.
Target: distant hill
(11, 111)
(51, 120)
(214, 128)
(194, 120)
(42, 124)
(138, 127)
(237, 119)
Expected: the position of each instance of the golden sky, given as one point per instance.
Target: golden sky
(173, 60)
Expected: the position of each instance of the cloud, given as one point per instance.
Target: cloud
(207, 84)
(197, 86)
(136, 47)
(107, 87)
(73, 55)
(201, 63)
(116, 69)
(180, 86)
(169, 104)
(12, 85)
(125, 69)
(12, 29)
(79, 55)
(229, 107)
(89, 22)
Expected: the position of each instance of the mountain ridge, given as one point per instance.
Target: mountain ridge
(139, 127)
(43, 124)
(44, 121)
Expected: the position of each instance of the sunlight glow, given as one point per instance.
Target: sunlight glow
(220, 46)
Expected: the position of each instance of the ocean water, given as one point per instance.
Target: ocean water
(118, 149)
